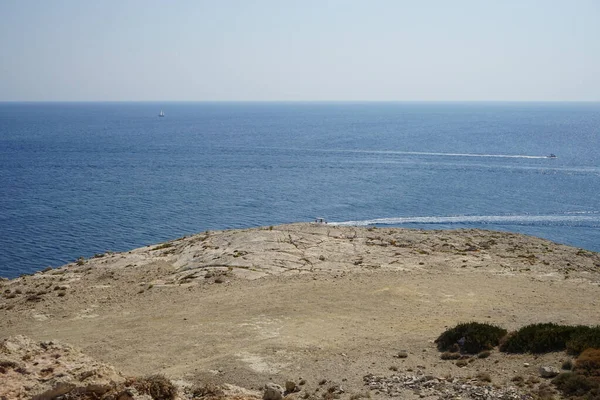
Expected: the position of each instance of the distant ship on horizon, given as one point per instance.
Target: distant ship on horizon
(161, 114)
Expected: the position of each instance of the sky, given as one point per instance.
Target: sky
(302, 50)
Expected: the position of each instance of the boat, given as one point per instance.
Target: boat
(161, 114)
(552, 155)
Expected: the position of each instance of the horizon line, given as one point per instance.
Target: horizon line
(300, 101)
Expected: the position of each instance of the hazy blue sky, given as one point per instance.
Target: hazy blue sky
(300, 50)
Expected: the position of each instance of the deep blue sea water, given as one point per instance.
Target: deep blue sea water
(81, 178)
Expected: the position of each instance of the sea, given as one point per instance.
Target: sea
(78, 179)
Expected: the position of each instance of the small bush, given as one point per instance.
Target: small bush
(484, 354)
(572, 384)
(518, 380)
(157, 386)
(484, 377)
(5, 364)
(588, 363)
(362, 395)
(544, 392)
(450, 356)
(567, 365)
(163, 246)
(477, 337)
(209, 390)
(532, 380)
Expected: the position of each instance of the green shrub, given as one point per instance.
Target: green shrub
(572, 384)
(547, 337)
(583, 338)
(537, 338)
(568, 365)
(477, 337)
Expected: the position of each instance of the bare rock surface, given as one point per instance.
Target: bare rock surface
(272, 391)
(549, 371)
(46, 370)
(310, 303)
(53, 370)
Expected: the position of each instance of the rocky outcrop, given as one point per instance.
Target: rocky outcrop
(273, 392)
(46, 370)
(440, 388)
(52, 370)
(548, 372)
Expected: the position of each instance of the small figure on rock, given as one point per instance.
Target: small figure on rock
(461, 344)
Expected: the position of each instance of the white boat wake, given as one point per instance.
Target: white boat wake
(423, 153)
(412, 153)
(566, 219)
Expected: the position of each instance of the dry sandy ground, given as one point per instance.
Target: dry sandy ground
(305, 301)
